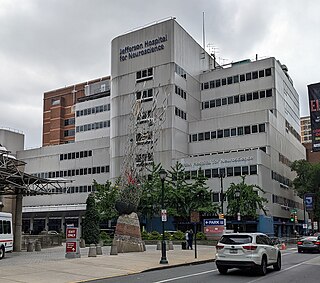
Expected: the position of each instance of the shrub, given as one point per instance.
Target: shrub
(145, 235)
(155, 236)
(201, 236)
(105, 238)
(167, 236)
(179, 235)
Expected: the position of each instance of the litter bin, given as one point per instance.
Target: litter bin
(184, 245)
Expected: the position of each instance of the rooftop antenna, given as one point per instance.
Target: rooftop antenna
(203, 33)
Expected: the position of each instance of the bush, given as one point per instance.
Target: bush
(105, 238)
(179, 235)
(201, 236)
(155, 235)
(145, 235)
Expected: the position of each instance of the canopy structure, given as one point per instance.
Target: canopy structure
(14, 181)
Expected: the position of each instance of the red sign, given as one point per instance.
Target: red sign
(71, 247)
(218, 229)
(71, 233)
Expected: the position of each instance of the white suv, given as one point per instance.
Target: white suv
(247, 250)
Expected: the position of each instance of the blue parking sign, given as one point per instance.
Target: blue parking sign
(309, 201)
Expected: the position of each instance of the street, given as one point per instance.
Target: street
(295, 268)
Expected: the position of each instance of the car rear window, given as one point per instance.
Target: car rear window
(235, 239)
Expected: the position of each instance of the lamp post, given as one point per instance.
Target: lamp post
(237, 196)
(222, 175)
(163, 175)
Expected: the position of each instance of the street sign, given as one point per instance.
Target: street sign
(315, 225)
(309, 201)
(71, 247)
(304, 226)
(164, 215)
(208, 222)
(195, 217)
(214, 229)
(71, 233)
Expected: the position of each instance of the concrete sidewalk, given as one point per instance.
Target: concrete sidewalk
(51, 266)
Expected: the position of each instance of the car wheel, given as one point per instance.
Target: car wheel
(262, 269)
(222, 270)
(2, 252)
(277, 265)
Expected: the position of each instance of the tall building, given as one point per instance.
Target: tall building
(241, 119)
(59, 110)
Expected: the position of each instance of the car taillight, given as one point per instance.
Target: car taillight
(250, 248)
(299, 243)
(317, 242)
(219, 247)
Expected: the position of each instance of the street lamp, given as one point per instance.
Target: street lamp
(222, 175)
(163, 175)
(237, 196)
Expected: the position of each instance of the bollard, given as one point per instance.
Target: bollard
(158, 245)
(92, 251)
(167, 245)
(170, 245)
(98, 250)
(114, 249)
(38, 246)
(30, 247)
(82, 243)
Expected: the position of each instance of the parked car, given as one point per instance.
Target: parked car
(53, 232)
(310, 244)
(247, 250)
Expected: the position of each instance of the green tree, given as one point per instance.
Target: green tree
(105, 197)
(307, 181)
(248, 202)
(91, 221)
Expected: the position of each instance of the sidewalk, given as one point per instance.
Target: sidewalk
(51, 266)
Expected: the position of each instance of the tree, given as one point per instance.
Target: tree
(91, 221)
(248, 202)
(105, 197)
(307, 181)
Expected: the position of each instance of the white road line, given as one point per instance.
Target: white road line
(186, 276)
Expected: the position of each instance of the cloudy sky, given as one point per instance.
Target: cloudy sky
(48, 44)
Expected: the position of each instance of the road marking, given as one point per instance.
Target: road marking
(281, 271)
(186, 276)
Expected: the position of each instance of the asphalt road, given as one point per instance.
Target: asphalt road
(302, 268)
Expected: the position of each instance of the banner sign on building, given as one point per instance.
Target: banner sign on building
(309, 201)
(314, 104)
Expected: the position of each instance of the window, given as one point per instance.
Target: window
(55, 101)
(268, 72)
(206, 85)
(268, 92)
(242, 78)
(207, 136)
(261, 73)
(245, 170)
(194, 137)
(229, 171)
(242, 97)
(230, 100)
(254, 129)
(220, 134)
(233, 132)
(240, 131)
(200, 137)
(248, 76)
(207, 173)
(237, 171)
(226, 133)
(213, 135)
(206, 105)
(218, 102)
(211, 84)
(224, 81)
(218, 83)
(215, 173)
(212, 103)
(247, 130)
(249, 96)
(236, 79)
(262, 128)
(253, 169)
(144, 75)
(262, 94)
(255, 95)
(236, 99)
(229, 80)
(254, 75)
(224, 101)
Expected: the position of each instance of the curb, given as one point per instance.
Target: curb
(179, 264)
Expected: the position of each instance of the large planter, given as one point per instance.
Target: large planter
(125, 207)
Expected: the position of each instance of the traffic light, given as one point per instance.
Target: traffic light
(292, 217)
(221, 216)
(296, 219)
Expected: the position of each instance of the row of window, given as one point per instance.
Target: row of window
(93, 110)
(287, 202)
(74, 172)
(228, 172)
(292, 131)
(143, 138)
(145, 95)
(144, 75)
(74, 155)
(5, 227)
(93, 126)
(180, 71)
(144, 158)
(230, 132)
(180, 92)
(284, 160)
(144, 117)
(236, 98)
(236, 79)
(180, 113)
(281, 179)
(68, 122)
(69, 133)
